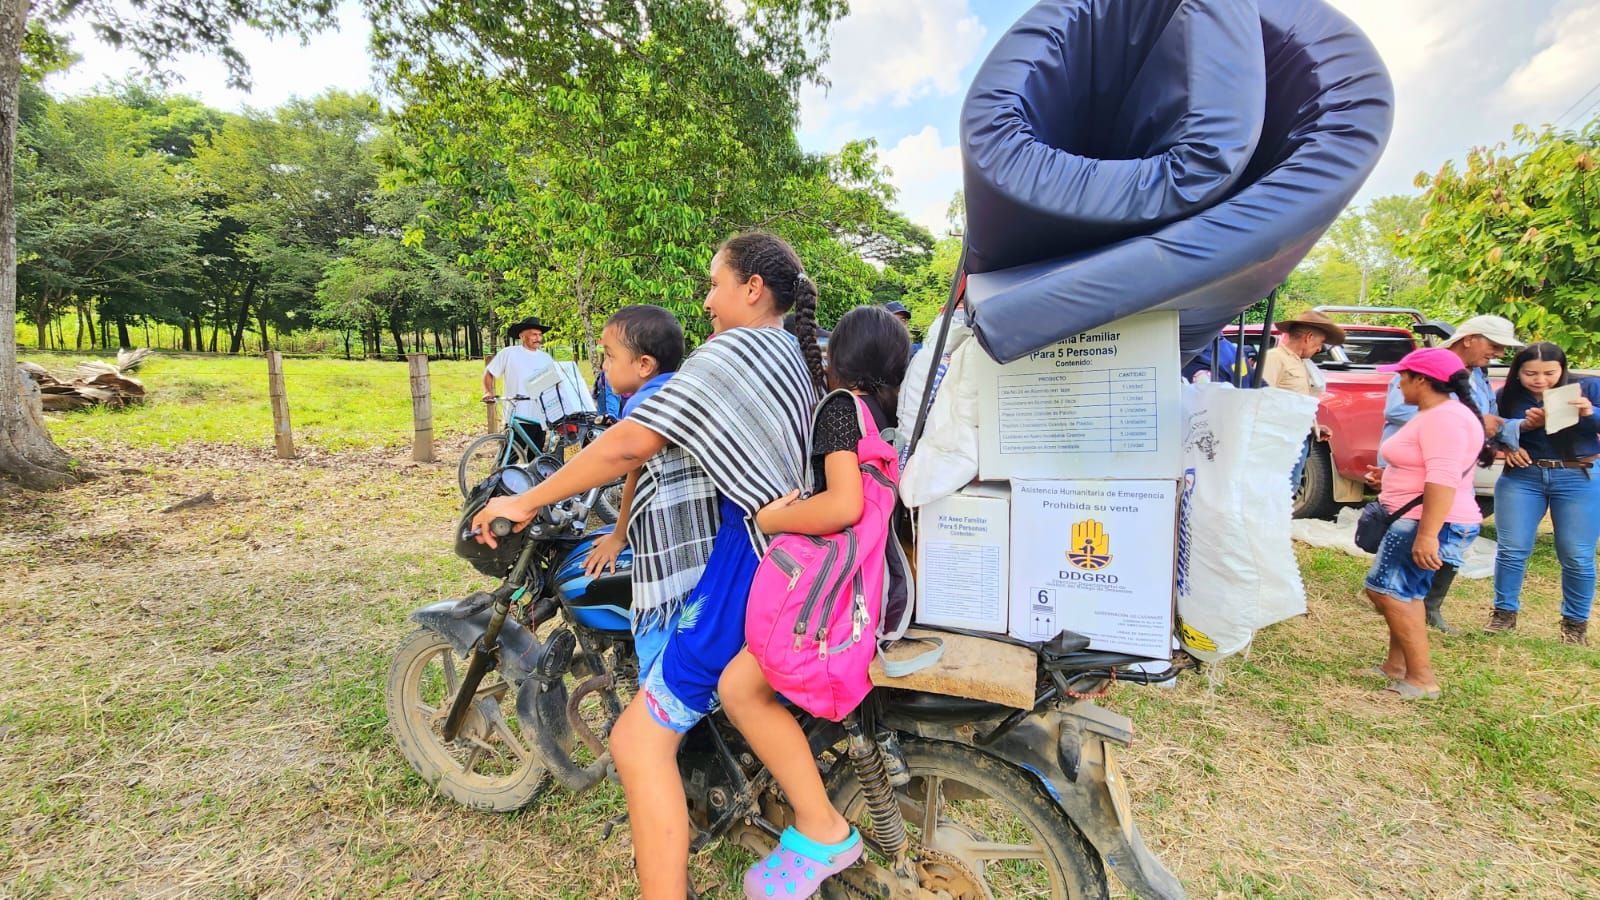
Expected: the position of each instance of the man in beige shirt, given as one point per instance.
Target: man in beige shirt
(1285, 367)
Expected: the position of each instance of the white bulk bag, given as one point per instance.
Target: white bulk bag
(1236, 566)
(946, 459)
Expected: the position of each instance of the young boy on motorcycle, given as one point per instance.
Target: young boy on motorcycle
(643, 346)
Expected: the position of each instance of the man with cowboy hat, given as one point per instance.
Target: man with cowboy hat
(1288, 367)
(1479, 341)
(517, 365)
(1285, 366)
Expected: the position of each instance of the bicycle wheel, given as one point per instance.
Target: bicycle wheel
(483, 457)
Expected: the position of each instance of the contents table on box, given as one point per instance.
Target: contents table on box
(964, 580)
(1107, 411)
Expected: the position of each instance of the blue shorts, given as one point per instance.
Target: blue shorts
(1396, 574)
(681, 661)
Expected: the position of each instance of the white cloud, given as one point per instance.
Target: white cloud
(927, 173)
(899, 50)
(891, 52)
(1566, 66)
(279, 68)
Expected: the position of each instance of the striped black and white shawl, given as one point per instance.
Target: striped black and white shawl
(737, 419)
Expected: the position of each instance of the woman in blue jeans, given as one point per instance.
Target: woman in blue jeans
(1554, 472)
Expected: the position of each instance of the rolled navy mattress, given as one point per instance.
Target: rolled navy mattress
(1123, 156)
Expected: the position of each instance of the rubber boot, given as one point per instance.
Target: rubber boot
(1501, 620)
(1434, 602)
(1574, 632)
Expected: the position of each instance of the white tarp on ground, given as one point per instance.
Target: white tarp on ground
(1341, 534)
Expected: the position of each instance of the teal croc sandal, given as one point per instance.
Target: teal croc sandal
(799, 865)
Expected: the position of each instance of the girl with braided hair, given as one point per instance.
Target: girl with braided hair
(722, 439)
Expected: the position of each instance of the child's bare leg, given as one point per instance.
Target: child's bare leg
(646, 755)
(777, 738)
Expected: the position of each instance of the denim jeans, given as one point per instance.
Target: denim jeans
(1299, 467)
(1521, 497)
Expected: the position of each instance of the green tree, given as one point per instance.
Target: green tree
(156, 32)
(286, 186)
(104, 220)
(594, 166)
(1366, 241)
(1517, 233)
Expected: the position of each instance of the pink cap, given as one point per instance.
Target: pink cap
(1434, 362)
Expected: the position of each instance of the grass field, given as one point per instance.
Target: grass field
(193, 699)
(334, 404)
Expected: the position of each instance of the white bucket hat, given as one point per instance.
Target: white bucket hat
(1495, 328)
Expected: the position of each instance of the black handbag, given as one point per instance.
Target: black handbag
(1375, 521)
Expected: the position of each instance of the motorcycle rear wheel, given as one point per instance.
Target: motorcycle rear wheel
(490, 766)
(990, 816)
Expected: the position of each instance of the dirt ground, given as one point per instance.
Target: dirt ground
(193, 705)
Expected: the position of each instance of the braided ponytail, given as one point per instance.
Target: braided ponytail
(771, 257)
(805, 326)
(1460, 384)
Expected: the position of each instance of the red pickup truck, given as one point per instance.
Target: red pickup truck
(1352, 408)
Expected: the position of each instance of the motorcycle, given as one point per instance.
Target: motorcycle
(502, 694)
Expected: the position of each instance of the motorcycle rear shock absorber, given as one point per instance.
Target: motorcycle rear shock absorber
(888, 826)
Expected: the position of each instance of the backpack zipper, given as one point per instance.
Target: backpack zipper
(788, 565)
(821, 636)
(877, 476)
(859, 617)
(826, 569)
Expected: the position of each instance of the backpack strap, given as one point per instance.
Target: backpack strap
(816, 415)
(904, 667)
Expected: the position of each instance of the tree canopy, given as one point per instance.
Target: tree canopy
(1517, 233)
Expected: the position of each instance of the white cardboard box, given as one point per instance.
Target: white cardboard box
(1095, 557)
(1102, 404)
(963, 550)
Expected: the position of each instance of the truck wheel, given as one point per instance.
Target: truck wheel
(1314, 499)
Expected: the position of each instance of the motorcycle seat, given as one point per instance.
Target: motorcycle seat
(614, 590)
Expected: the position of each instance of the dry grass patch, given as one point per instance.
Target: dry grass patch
(194, 706)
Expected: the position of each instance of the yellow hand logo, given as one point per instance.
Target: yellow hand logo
(1090, 545)
(1089, 537)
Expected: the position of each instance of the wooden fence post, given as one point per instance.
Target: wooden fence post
(282, 434)
(421, 409)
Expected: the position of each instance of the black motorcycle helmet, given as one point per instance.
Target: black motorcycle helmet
(493, 561)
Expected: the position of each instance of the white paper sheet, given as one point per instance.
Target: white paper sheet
(1559, 413)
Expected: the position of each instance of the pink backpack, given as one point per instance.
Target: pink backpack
(816, 612)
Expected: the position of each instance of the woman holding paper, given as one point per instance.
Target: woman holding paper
(1552, 439)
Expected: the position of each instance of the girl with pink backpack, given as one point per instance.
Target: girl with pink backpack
(811, 626)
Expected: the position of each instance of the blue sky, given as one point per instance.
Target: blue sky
(1465, 71)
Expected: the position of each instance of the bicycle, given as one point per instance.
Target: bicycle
(517, 445)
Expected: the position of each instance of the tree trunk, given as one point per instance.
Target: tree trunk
(77, 339)
(26, 451)
(261, 322)
(41, 314)
(236, 344)
(123, 340)
(399, 342)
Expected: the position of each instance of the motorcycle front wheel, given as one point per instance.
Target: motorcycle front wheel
(994, 831)
(490, 765)
(608, 502)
